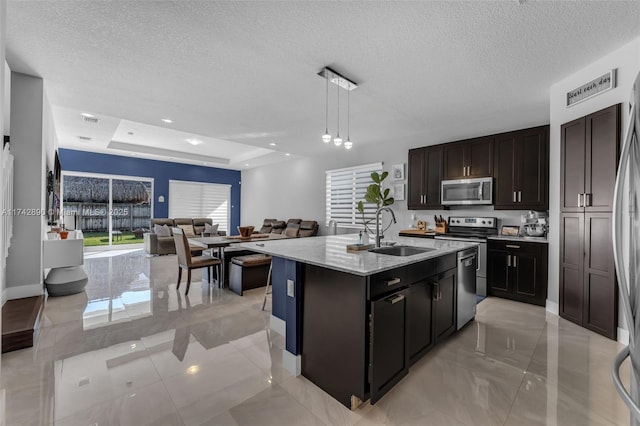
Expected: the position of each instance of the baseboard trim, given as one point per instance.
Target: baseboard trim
(552, 307)
(623, 336)
(3, 300)
(23, 291)
(278, 325)
(292, 363)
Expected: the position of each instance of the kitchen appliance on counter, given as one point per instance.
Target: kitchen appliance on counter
(535, 224)
(475, 229)
(467, 267)
(465, 192)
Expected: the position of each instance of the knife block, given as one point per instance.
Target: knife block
(441, 228)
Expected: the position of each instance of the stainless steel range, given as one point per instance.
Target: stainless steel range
(475, 229)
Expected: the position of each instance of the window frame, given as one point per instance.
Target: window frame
(338, 180)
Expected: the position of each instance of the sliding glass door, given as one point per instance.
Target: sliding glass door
(109, 210)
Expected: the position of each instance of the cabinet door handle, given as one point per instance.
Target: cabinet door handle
(587, 200)
(393, 281)
(580, 200)
(436, 291)
(514, 196)
(468, 170)
(464, 171)
(396, 299)
(515, 261)
(512, 246)
(508, 260)
(519, 196)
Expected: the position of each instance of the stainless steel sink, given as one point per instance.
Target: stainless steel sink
(401, 250)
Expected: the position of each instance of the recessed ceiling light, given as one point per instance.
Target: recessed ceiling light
(130, 133)
(87, 115)
(273, 144)
(84, 138)
(246, 164)
(193, 141)
(287, 154)
(167, 120)
(89, 118)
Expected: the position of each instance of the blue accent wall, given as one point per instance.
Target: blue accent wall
(160, 171)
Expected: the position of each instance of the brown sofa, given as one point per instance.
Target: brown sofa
(291, 228)
(154, 244)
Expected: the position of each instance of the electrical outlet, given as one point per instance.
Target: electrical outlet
(291, 289)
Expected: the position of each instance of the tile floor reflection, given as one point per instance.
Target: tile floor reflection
(132, 350)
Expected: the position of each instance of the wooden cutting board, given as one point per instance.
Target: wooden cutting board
(418, 231)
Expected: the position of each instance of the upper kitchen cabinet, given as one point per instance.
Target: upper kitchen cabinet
(521, 169)
(589, 159)
(425, 175)
(471, 158)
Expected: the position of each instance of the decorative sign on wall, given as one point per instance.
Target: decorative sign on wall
(596, 86)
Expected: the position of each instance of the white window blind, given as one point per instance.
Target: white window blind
(199, 199)
(345, 187)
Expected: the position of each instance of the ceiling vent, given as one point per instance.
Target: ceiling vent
(84, 138)
(92, 120)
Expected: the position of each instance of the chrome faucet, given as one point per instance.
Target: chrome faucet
(393, 216)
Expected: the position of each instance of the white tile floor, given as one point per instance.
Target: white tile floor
(133, 351)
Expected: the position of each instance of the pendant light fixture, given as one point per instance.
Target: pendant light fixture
(343, 83)
(348, 144)
(326, 138)
(337, 141)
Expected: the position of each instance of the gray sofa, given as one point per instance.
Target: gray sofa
(154, 244)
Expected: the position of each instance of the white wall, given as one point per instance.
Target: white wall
(627, 62)
(29, 143)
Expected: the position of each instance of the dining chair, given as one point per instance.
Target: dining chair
(189, 262)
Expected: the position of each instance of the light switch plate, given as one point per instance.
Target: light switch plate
(291, 289)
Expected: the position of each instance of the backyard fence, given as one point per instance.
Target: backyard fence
(94, 217)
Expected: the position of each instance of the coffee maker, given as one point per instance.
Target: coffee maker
(535, 224)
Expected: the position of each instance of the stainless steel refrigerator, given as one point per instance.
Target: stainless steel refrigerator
(626, 251)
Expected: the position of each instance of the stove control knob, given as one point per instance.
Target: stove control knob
(483, 222)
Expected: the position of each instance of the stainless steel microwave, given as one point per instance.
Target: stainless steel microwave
(462, 192)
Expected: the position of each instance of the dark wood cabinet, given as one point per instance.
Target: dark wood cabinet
(432, 304)
(588, 287)
(517, 270)
(389, 351)
(589, 158)
(521, 169)
(425, 176)
(471, 158)
(589, 151)
(421, 337)
(444, 306)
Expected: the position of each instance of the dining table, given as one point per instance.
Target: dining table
(219, 243)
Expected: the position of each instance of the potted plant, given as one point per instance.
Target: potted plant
(375, 195)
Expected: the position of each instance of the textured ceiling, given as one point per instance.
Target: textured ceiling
(429, 72)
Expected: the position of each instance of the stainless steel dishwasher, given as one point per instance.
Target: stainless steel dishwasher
(467, 266)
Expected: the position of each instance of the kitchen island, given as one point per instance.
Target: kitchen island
(354, 322)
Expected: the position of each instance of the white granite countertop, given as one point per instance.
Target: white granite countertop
(520, 239)
(331, 252)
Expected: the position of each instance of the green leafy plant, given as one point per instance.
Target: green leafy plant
(375, 195)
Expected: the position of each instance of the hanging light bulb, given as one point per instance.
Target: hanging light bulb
(348, 144)
(338, 140)
(326, 138)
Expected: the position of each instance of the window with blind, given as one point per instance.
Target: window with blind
(345, 187)
(199, 199)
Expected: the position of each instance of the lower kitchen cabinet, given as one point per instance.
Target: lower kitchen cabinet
(432, 312)
(517, 270)
(421, 337)
(389, 352)
(444, 306)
